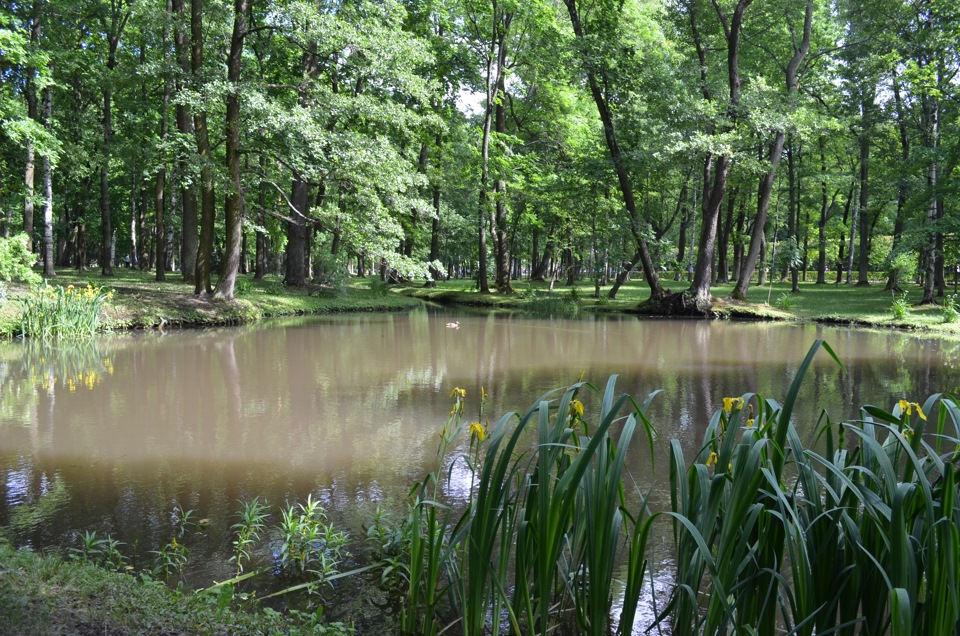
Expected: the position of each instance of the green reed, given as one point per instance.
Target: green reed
(52, 312)
(536, 546)
(861, 539)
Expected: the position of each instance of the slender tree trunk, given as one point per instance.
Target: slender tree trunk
(119, 14)
(931, 116)
(864, 261)
(723, 263)
(854, 220)
(794, 213)
(496, 59)
(822, 225)
(208, 201)
(738, 244)
(188, 220)
(48, 256)
(29, 175)
(776, 152)
(159, 204)
(260, 258)
(234, 206)
(434, 256)
(499, 226)
(626, 186)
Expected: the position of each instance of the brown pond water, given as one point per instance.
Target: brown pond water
(113, 435)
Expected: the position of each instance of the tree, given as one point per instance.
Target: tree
(596, 80)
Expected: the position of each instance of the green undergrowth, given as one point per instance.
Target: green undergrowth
(46, 595)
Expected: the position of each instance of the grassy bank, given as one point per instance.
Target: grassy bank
(842, 304)
(139, 301)
(46, 595)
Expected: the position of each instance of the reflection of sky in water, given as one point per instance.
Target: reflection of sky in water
(18, 487)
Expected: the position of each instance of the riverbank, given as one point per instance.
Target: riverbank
(47, 595)
(140, 302)
(829, 304)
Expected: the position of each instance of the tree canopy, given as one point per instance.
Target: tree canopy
(712, 140)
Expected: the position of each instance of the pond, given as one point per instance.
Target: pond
(118, 434)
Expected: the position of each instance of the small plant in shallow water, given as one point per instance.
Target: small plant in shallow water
(171, 558)
(105, 552)
(308, 545)
(248, 531)
(53, 312)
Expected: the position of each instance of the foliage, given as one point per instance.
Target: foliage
(53, 312)
(16, 261)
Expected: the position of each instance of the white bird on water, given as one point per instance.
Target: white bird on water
(453, 325)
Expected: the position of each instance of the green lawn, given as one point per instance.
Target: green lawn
(140, 302)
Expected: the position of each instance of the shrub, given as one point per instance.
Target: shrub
(16, 261)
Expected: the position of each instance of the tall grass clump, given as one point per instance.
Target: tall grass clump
(544, 526)
(855, 535)
(53, 312)
(900, 306)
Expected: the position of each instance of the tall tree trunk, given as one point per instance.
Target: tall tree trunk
(260, 258)
(208, 201)
(738, 244)
(931, 138)
(48, 257)
(822, 225)
(723, 247)
(29, 174)
(496, 60)
(434, 256)
(657, 291)
(188, 195)
(234, 206)
(793, 222)
(499, 225)
(773, 157)
(297, 249)
(159, 202)
(864, 261)
(119, 13)
(699, 292)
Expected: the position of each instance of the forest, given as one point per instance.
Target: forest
(417, 140)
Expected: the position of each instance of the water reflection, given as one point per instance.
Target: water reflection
(112, 435)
